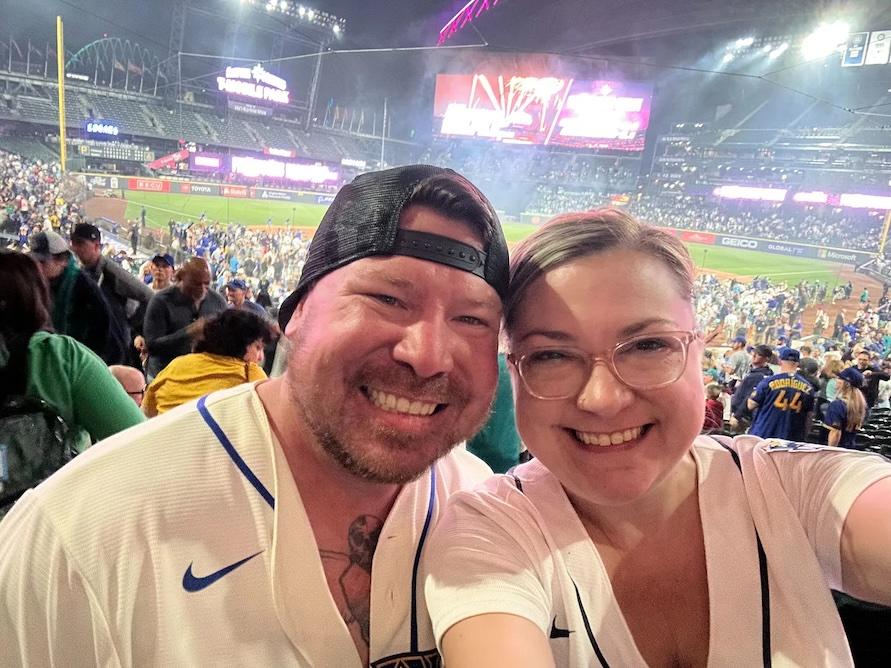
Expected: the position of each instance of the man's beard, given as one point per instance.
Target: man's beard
(362, 455)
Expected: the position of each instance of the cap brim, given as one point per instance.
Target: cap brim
(286, 310)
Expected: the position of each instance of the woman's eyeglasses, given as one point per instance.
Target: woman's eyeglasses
(644, 362)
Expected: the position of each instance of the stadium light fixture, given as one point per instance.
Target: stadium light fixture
(727, 58)
(318, 18)
(826, 39)
(744, 42)
(779, 51)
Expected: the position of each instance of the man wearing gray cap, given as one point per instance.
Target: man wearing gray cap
(127, 296)
(283, 523)
(80, 310)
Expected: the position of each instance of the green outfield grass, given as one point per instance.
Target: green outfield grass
(755, 263)
(160, 207)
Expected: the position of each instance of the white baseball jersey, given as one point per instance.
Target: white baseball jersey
(184, 542)
(524, 551)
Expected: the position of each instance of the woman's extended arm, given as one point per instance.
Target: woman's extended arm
(496, 640)
(866, 545)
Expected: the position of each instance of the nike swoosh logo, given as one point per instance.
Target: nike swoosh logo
(557, 632)
(192, 583)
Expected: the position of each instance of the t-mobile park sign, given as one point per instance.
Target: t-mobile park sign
(256, 83)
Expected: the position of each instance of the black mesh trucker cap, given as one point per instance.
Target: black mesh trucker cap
(363, 220)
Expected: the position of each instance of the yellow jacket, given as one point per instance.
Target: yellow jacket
(192, 376)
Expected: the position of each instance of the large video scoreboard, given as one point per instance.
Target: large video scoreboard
(543, 110)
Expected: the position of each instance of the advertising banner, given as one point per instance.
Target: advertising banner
(235, 191)
(274, 195)
(855, 51)
(738, 242)
(879, 49)
(791, 249)
(838, 255)
(698, 238)
(149, 185)
(207, 162)
(112, 182)
(199, 189)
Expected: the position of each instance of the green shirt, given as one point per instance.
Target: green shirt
(498, 443)
(75, 382)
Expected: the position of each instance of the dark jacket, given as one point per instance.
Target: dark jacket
(127, 295)
(738, 407)
(81, 311)
(871, 389)
(169, 313)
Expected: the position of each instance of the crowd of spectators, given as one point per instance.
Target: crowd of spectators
(551, 200)
(534, 165)
(824, 226)
(269, 261)
(31, 198)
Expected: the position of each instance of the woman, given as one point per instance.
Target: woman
(229, 353)
(64, 373)
(827, 388)
(714, 409)
(846, 413)
(884, 398)
(629, 540)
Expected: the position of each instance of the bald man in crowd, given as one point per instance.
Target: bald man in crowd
(131, 379)
(175, 316)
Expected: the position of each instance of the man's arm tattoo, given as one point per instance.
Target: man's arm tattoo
(355, 580)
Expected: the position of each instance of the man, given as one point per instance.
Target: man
(236, 290)
(244, 529)
(838, 325)
(738, 363)
(131, 379)
(80, 310)
(127, 295)
(740, 415)
(162, 268)
(872, 375)
(175, 316)
(820, 322)
(134, 238)
(784, 401)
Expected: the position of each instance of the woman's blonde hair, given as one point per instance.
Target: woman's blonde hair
(855, 403)
(572, 236)
(832, 368)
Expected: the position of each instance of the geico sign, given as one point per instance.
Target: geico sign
(739, 243)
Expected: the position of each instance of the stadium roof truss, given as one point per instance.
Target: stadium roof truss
(117, 63)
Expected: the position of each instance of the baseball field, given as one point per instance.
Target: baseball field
(160, 207)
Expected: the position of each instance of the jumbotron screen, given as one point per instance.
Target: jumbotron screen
(543, 110)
